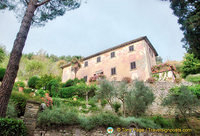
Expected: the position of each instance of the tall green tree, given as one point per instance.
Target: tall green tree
(37, 12)
(188, 13)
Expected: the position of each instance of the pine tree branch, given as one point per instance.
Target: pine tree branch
(42, 3)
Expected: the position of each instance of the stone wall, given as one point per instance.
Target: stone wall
(30, 116)
(77, 131)
(160, 90)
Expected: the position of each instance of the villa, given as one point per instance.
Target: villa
(132, 59)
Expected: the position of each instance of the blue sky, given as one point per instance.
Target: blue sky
(101, 24)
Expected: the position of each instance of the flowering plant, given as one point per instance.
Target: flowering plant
(48, 101)
(96, 77)
(163, 67)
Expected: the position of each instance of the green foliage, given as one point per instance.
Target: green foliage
(139, 98)
(73, 82)
(40, 93)
(20, 84)
(188, 13)
(2, 73)
(34, 67)
(100, 120)
(71, 91)
(53, 87)
(20, 99)
(28, 90)
(11, 111)
(106, 91)
(33, 82)
(103, 103)
(116, 106)
(2, 54)
(92, 102)
(141, 122)
(12, 127)
(162, 122)
(183, 100)
(193, 78)
(58, 116)
(195, 89)
(44, 80)
(191, 65)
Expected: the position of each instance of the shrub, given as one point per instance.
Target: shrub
(139, 98)
(92, 102)
(140, 122)
(20, 84)
(103, 103)
(71, 91)
(195, 89)
(28, 90)
(193, 78)
(33, 82)
(67, 92)
(2, 73)
(20, 100)
(40, 93)
(151, 80)
(57, 116)
(53, 86)
(164, 123)
(44, 80)
(11, 111)
(116, 106)
(12, 127)
(73, 82)
(100, 120)
(183, 100)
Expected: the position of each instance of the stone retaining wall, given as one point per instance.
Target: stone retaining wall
(76, 131)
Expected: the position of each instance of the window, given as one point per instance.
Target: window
(113, 71)
(133, 65)
(85, 78)
(112, 54)
(131, 48)
(98, 59)
(86, 63)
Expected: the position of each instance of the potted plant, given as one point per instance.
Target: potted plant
(20, 85)
(75, 97)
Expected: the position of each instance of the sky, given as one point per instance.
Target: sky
(98, 25)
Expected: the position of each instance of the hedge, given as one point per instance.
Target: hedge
(12, 127)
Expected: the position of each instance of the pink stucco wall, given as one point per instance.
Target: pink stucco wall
(123, 57)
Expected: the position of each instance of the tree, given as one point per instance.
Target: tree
(191, 65)
(2, 54)
(106, 91)
(184, 101)
(188, 13)
(37, 12)
(139, 98)
(121, 92)
(76, 64)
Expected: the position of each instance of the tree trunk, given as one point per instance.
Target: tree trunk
(124, 110)
(13, 65)
(86, 98)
